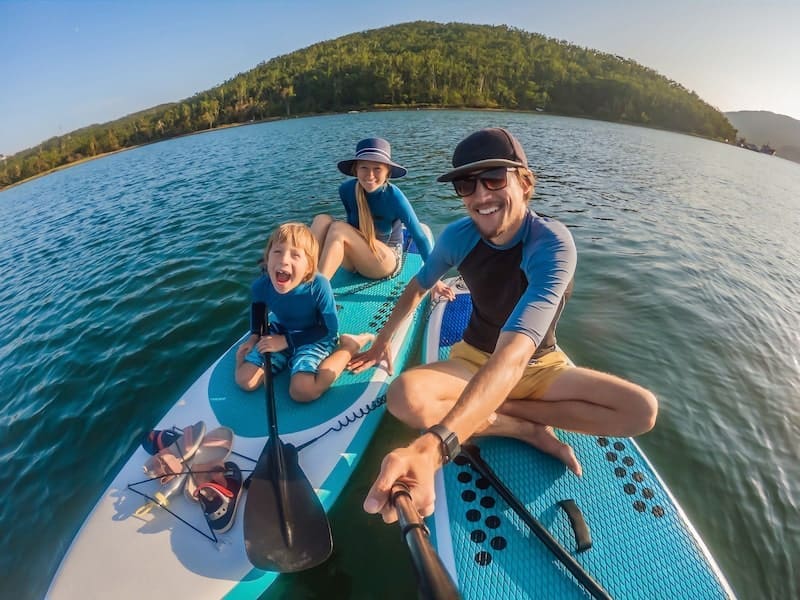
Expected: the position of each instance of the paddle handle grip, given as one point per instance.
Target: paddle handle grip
(435, 582)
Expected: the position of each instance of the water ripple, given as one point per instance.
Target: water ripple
(121, 279)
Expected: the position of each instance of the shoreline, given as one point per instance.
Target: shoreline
(105, 154)
(372, 109)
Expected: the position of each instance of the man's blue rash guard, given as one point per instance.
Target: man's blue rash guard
(521, 286)
(390, 210)
(305, 315)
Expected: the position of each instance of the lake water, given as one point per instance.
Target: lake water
(123, 278)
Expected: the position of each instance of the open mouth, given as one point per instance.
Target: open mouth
(282, 276)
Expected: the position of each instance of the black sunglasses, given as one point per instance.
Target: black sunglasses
(493, 180)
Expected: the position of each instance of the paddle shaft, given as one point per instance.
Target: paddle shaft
(285, 525)
(472, 453)
(434, 581)
(277, 447)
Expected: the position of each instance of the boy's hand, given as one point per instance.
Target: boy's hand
(245, 348)
(272, 343)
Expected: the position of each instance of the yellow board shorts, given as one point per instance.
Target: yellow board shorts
(538, 375)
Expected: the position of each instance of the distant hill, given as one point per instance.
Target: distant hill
(763, 127)
(411, 65)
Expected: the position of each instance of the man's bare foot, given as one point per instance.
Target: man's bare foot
(355, 342)
(541, 437)
(545, 439)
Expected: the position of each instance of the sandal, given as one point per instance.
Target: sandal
(219, 501)
(207, 465)
(158, 439)
(168, 461)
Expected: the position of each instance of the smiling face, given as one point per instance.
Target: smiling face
(371, 175)
(498, 214)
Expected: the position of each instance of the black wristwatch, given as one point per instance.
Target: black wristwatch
(449, 440)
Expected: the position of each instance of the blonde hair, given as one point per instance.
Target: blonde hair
(525, 174)
(366, 224)
(299, 236)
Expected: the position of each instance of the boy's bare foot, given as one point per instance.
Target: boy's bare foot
(355, 342)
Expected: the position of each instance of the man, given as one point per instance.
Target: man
(506, 377)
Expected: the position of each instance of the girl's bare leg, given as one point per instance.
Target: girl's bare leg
(345, 246)
(319, 227)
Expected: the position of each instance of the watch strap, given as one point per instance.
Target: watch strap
(449, 441)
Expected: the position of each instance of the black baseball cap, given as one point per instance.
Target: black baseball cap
(485, 149)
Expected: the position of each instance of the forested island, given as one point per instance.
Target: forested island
(411, 65)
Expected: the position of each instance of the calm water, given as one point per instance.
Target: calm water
(122, 279)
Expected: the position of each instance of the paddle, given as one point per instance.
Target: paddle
(285, 526)
(473, 454)
(434, 581)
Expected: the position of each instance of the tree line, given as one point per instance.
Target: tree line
(412, 65)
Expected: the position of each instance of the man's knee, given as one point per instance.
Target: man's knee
(646, 411)
(403, 398)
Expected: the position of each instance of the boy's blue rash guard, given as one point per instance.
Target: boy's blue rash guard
(521, 286)
(390, 210)
(304, 315)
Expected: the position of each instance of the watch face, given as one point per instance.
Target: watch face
(452, 446)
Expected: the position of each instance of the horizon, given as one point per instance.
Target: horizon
(96, 61)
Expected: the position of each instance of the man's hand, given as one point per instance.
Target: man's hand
(442, 291)
(415, 466)
(379, 351)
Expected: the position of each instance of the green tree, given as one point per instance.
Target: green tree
(411, 64)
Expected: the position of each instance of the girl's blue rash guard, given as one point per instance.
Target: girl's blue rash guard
(390, 210)
(521, 286)
(305, 314)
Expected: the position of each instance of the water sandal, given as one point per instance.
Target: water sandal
(207, 465)
(219, 502)
(168, 462)
(158, 439)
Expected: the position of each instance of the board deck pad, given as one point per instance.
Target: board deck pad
(121, 555)
(643, 546)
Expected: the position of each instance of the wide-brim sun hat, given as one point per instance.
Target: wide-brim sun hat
(485, 149)
(375, 150)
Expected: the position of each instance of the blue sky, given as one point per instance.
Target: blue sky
(65, 64)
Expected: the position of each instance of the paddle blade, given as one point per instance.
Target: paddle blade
(285, 525)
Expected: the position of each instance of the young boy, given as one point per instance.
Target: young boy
(303, 330)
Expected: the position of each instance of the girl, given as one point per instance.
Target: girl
(370, 240)
(303, 327)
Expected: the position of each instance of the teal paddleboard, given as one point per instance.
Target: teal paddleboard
(118, 553)
(642, 544)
